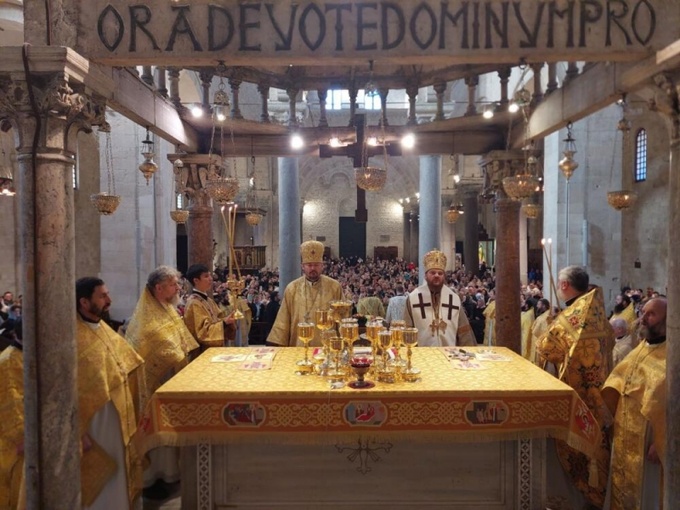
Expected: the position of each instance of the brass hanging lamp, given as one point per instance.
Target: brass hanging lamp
(625, 198)
(148, 166)
(106, 202)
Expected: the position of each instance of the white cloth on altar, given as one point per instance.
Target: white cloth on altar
(164, 465)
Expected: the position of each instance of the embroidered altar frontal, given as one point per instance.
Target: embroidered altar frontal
(221, 403)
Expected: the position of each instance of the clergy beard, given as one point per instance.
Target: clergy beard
(96, 311)
(173, 300)
(619, 307)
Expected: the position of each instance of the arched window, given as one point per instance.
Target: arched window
(641, 156)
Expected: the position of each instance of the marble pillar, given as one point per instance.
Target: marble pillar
(190, 180)
(47, 249)
(666, 97)
(471, 240)
(430, 208)
(508, 328)
(289, 222)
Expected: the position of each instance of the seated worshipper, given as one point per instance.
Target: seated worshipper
(435, 309)
(210, 326)
(579, 343)
(303, 297)
(12, 421)
(635, 393)
(109, 376)
(370, 306)
(624, 341)
(160, 337)
(396, 305)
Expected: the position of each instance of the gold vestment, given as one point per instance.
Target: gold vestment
(11, 426)
(301, 300)
(203, 318)
(526, 321)
(243, 324)
(161, 338)
(108, 369)
(628, 314)
(579, 343)
(538, 329)
(640, 380)
(490, 323)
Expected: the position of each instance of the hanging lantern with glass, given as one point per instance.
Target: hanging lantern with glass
(568, 164)
(531, 210)
(107, 202)
(148, 166)
(253, 216)
(179, 216)
(220, 186)
(526, 183)
(372, 178)
(625, 198)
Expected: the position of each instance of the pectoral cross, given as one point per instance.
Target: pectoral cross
(437, 325)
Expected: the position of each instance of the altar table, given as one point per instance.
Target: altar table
(455, 439)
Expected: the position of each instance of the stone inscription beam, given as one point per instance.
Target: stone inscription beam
(124, 32)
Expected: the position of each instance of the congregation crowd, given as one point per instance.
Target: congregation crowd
(178, 316)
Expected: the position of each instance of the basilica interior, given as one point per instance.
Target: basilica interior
(515, 150)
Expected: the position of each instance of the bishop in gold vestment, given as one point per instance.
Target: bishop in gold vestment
(636, 393)
(304, 296)
(579, 343)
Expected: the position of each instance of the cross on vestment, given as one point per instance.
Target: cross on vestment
(421, 304)
(450, 306)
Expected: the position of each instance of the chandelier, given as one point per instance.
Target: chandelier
(622, 199)
(253, 216)
(531, 211)
(107, 202)
(453, 213)
(179, 216)
(220, 186)
(525, 184)
(148, 166)
(568, 164)
(371, 178)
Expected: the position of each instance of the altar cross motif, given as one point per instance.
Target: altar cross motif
(450, 306)
(421, 304)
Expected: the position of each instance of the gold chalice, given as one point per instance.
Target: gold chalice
(335, 344)
(386, 373)
(410, 339)
(341, 310)
(305, 334)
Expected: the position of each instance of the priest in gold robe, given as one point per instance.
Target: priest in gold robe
(11, 424)
(635, 393)
(160, 337)
(526, 322)
(304, 296)
(209, 325)
(579, 343)
(242, 325)
(543, 319)
(490, 321)
(110, 379)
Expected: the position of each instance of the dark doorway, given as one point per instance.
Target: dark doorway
(352, 238)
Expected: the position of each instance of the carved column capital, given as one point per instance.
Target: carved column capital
(497, 165)
(666, 101)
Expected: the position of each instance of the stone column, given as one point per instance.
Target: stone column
(537, 96)
(235, 83)
(508, 312)
(666, 102)
(173, 80)
(47, 240)
(322, 93)
(412, 92)
(263, 89)
(147, 75)
(289, 222)
(430, 208)
(440, 88)
(191, 180)
(496, 166)
(206, 79)
(161, 79)
(471, 215)
(504, 77)
(292, 101)
(471, 82)
(552, 78)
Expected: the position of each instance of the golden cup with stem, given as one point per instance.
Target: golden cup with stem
(335, 345)
(305, 334)
(235, 286)
(385, 373)
(349, 331)
(373, 328)
(397, 332)
(410, 339)
(341, 310)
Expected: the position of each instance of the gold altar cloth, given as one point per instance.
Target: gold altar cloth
(219, 403)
